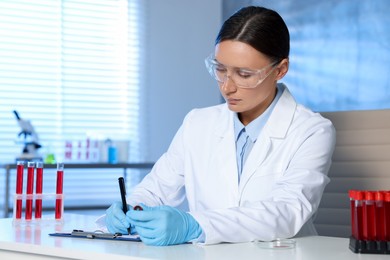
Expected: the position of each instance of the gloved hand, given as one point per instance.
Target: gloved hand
(117, 221)
(164, 225)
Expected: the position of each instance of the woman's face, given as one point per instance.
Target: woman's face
(249, 103)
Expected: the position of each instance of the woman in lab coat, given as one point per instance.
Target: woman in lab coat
(253, 168)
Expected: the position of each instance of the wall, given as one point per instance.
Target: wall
(180, 36)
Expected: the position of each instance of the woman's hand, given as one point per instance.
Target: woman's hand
(164, 225)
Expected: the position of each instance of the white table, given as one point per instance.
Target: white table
(31, 241)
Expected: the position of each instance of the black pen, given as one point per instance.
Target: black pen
(122, 188)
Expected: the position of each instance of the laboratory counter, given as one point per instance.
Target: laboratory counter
(31, 241)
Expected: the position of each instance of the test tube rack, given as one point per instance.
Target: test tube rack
(49, 198)
(370, 222)
(31, 202)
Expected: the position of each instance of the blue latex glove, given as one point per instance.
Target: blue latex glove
(117, 221)
(164, 225)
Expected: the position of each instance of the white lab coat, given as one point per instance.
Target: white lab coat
(281, 184)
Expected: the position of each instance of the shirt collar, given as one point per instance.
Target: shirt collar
(254, 128)
(238, 126)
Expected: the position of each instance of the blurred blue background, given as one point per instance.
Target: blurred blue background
(340, 51)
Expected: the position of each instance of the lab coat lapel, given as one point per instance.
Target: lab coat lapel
(276, 127)
(223, 159)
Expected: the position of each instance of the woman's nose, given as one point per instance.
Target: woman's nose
(228, 85)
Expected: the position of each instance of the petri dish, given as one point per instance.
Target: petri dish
(276, 244)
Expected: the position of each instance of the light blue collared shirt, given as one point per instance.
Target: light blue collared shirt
(246, 136)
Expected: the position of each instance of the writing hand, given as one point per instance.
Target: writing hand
(164, 225)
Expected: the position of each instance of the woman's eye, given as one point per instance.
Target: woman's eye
(220, 68)
(244, 74)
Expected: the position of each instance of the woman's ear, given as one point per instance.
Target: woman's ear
(282, 69)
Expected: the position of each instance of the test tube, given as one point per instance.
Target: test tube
(387, 215)
(369, 213)
(19, 188)
(359, 214)
(352, 209)
(38, 190)
(29, 189)
(59, 190)
(380, 216)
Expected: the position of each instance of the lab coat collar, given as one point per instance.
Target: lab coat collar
(226, 126)
(282, 116)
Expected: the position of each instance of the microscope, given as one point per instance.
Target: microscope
(30, 140)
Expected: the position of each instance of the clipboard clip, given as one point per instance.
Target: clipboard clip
(94, 234)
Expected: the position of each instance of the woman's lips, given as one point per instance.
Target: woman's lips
(233, 101)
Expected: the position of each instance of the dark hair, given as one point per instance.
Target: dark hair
(261, 28)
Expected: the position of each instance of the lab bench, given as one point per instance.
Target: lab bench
(33, 242)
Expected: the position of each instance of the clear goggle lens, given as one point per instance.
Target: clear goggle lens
(243, 78)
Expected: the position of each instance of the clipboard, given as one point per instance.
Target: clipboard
(76, 233)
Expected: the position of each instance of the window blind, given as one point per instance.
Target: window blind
(74, 69)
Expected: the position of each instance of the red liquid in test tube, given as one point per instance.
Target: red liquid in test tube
(59, 190)
(352, 209)
(380, 215)
(359, 214)
(29, 189)
(38, 190)
(387, 216)
(369, 211)
(19, 188)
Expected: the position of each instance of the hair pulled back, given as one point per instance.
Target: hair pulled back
(259, 27)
